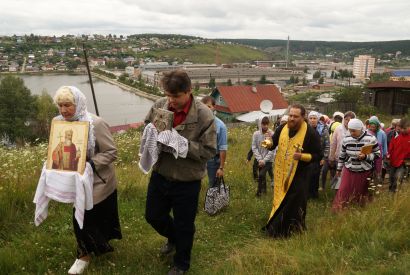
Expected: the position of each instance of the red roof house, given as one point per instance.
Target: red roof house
(232, 101)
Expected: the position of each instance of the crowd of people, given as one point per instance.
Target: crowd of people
(298, 153)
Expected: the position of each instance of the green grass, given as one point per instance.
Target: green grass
(207, 54)
(370, 240)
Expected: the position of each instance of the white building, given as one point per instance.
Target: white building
(363, 66)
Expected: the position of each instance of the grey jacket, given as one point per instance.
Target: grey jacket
(105, 153)
(199, 129)
(259, 152)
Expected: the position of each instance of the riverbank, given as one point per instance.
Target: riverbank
(126, 87)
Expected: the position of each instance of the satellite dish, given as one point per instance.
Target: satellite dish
(266, 106)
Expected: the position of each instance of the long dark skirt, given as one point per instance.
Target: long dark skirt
(101, 224)
(353, 188)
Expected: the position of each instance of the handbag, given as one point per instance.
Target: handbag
(217, 197)
(335, 183)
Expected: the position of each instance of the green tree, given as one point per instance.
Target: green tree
(292, 79)
(317, 74)
(212, 83)
(297, 80)
(350, 94)
(263, 80)
(332, 75)
(379, 77)
(248, 82)
(229, 82)
(304, 81)
(196, 87)
(73, 64)
(46, 110)
(321, 80)
(17, 109)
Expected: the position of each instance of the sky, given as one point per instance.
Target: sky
(330, 20)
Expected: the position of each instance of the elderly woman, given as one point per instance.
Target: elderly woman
(101, 223)
(357, 166)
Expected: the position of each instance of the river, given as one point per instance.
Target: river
(115, 105)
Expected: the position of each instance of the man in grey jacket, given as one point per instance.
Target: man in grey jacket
(175, 183)
(262, 155)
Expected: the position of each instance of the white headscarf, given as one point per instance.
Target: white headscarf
(355, 124)
(315, 114)
(81, 114)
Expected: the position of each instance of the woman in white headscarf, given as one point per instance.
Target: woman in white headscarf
(355, 166)
(101, 223)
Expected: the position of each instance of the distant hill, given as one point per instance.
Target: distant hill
(207, 54)
(376, 47)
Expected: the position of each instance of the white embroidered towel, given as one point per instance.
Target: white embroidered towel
(65, 187)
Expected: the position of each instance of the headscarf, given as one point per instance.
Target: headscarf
(81, 114)
(375, 121)
(315, 114)
(284, 118)
(355, 124)
(338, 114)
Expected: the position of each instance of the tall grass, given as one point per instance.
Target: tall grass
(370, 240)
(207, 53)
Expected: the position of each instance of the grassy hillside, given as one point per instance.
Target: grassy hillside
(375, 47)
(370, 240)
(207, 53)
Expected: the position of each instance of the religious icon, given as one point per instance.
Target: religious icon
(163, 119)
(68, 146)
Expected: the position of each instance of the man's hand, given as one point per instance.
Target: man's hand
(247, 161)
(297, 156)
(261, 163)
(219, 173)
(322, 162)
(338, 173)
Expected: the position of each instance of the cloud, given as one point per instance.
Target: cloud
(350, 20)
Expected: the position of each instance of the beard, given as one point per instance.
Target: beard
(68, 142)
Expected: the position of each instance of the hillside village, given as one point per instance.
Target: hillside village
(138, 62)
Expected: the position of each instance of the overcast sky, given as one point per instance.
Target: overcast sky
(342, 20)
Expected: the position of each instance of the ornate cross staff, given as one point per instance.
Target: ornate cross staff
(299, 149)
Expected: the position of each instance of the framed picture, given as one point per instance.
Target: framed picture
(163, 119)
(67, 145)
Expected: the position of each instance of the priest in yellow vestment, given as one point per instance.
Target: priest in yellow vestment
(298, 145)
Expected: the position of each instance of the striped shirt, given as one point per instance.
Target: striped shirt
(350, 150)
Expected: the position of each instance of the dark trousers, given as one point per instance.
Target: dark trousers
(314, 179)
(325, 169)
(262, 178)
(396, 176)
(255, 170)
(182, 197)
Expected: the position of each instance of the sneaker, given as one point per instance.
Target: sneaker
(167, 248)
(176, 271)
(78, 267)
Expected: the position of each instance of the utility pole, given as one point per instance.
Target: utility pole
(287, 53)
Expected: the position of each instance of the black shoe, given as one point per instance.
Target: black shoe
(167, 248)
(176, 271)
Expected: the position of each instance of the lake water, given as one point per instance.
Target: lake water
(115, 105)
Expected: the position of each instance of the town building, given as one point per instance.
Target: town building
(392, 97)
(363, 66)
(232, 101)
